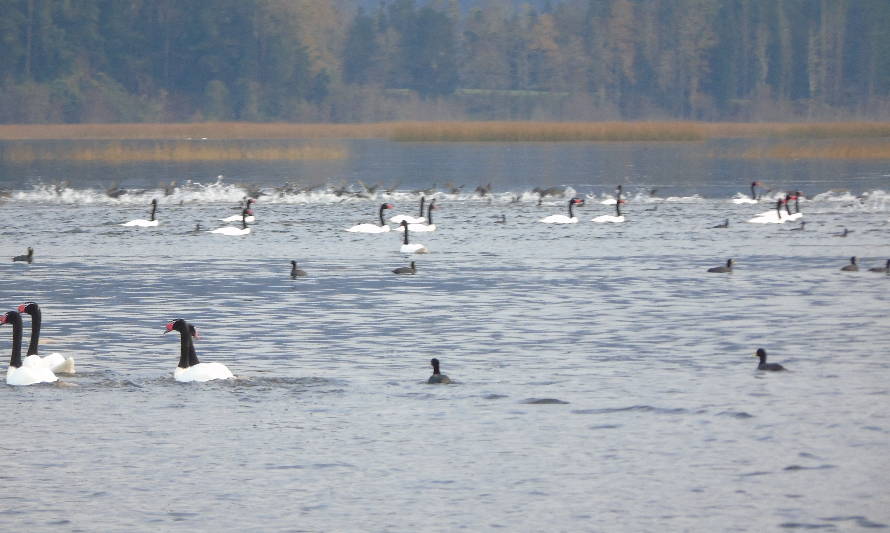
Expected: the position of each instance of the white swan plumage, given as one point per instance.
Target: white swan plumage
(408, 218)
(232, 230)
(617, 217)
(142, 223)
(563, 219)
(56, 362)
(411, 248)
(17, 374)
(420, 226)
(373, 228)
(190, 369)
(249, 218)
(775, 216)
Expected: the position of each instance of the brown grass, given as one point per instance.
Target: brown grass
(203, 130)
(115, 151)
(452, 131)
(819, 150)
(547, 131)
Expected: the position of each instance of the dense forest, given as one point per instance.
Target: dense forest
(364, 60)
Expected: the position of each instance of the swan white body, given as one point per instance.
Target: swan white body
(202, 372)
(407, 218)
(608, 218)
(230, 230)
(559, 219)
(236, 218)
(773, 217)
(56, 362)
(413, 248)
(369, 228)
(28, 375)
(739, 199)
(141, 223)
(418, 227)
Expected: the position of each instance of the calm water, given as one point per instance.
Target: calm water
(605, 382)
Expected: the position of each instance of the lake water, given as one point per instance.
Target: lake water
(604, 380)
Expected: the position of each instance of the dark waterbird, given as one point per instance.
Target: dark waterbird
(406, 270)
(437, 376)
(885, 269)
(727, 268)
(721, 226)
(763, 365)
(29, 257)
(843, 233)
(296, 272)
(852, 267)
(799, 228)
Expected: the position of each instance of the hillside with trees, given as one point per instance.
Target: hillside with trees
(363, 60)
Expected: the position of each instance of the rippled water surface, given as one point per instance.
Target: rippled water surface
(604, 380)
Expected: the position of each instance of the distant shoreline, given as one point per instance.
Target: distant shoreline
(470, 131)
(287, 141)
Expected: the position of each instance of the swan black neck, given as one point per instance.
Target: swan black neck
(36, 320)
(422, 201)
(429, 212)
(571, 205)
(193, 357)
(779, 208)
(14, 318)
(380, 215)
(405, 237)
(753, 192)
(154, 208)
(618, 207)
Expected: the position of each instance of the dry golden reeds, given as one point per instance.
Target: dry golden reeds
(115, 151)
(547, 131)
(819, 150)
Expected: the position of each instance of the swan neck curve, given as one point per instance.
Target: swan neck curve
(422, 201)
(184, 347)
(571, 205)
(36, 320)
(380, 215)
(15, 361)
(154, 208)
(429, 213)
(405, 237)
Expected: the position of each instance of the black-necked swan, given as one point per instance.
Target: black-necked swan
(17, 374)
(617, 217)
(885, 269)
(775, 216)
(151, 222)
(763, 365)
(406, 270)
(28, 257)
(296, 272)
(232, 230)
(562, 219)
(189, 368)
(437, 376)
(235, 218)
(723, 269)
(56, 362)
(373, 228)
(408, 218)
(753, 200)
(407, 248)
(852, 267)
(430, 226)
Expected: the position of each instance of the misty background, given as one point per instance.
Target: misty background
(368, 60)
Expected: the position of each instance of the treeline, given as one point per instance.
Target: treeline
(360, 61)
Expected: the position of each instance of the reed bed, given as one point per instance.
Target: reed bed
(818, 150)
(504, 131)
(547, 131)
(202, 130)
(115, 151)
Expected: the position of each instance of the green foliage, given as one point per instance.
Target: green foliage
(272, 60)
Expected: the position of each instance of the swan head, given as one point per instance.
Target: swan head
(154, 201)
(11, 317)
(386, 206)
(28, 307)
(577, 201)
(403, 223)
(179, 325)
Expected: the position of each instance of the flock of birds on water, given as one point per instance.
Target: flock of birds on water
(33, 368)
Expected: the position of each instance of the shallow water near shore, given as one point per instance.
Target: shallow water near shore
(603, 380)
